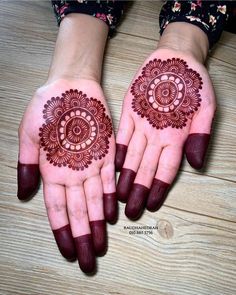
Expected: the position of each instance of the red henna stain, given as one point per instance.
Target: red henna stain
(110, 206)
(125, 183)
(76, 130)
(85, 253)
(195, 149)
(157, 194)
(28, 177)
(65, 242)
(136, 201)
(99, 235)
(121, 151)
(167, 93)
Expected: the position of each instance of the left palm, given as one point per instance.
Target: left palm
(170, 100)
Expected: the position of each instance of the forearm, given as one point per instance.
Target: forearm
(185, 37)
(79, 48)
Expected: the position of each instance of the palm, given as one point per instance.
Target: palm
(68, 130)
(170, 100)
(76, 132)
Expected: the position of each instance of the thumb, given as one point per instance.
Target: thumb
(28, 174)
(199, 136)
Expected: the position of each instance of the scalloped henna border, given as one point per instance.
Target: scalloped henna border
(166, 93)
(76, 130)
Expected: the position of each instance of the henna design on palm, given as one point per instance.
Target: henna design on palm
(76, 130)
(167, 93)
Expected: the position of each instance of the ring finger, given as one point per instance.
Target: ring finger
(143, 180)
(132, 161)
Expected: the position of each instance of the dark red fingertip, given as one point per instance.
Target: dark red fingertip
(99, 235)
(121, 151)
(85, 253)
(125, 183)
(110, 206)
(136, 201)
(195, 149)
(28, 177)
(65, 242)
(157, 195)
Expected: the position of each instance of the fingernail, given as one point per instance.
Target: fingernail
(121, 150)
(85, 253)
(157, 195)
(125, 183)
(110, 207)
(28, 176)
(65, 242)
(196, 148)
(136, 201)
(98, 229)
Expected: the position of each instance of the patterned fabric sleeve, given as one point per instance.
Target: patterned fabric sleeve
(210, 16)
(108, 11)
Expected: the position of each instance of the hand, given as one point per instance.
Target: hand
(168, 107)
(66, 133)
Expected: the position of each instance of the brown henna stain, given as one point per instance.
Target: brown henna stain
(136, 201)
(125, 183)
(85, 253)
(76, 130)
(157, 195)
(110, 207)
(195, 149)
(121, 151)
(28, 177)
(65, 242)
(166, 93)
(99, 235)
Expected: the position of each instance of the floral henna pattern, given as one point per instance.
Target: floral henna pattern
(76, 130)
(167, 93)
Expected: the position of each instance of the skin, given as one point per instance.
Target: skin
(149, 158)
(73, 199)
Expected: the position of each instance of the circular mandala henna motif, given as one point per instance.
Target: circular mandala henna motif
(76, 130)
(167, 93)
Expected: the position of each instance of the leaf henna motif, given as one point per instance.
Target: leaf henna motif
(167, 93)
(76, 130)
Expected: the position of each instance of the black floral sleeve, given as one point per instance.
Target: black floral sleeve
(210, 16)
(108, 11)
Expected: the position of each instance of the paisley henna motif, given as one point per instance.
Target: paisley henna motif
(167, 93)
(76, 130)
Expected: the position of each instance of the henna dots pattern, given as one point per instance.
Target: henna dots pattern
(76, 130)
(166, 93)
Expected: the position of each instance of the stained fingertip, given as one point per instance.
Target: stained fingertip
(28, 177)
(110, 205)
(195, 149)
(157, 195)
(85, 253)
(136, 201)
(121, 151)
(65, 242)
(99, 235)
(125, 183)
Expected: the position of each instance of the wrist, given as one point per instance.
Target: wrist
(187, 38)
(79, 49)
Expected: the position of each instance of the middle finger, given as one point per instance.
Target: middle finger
(94, 199)
(78, 216)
